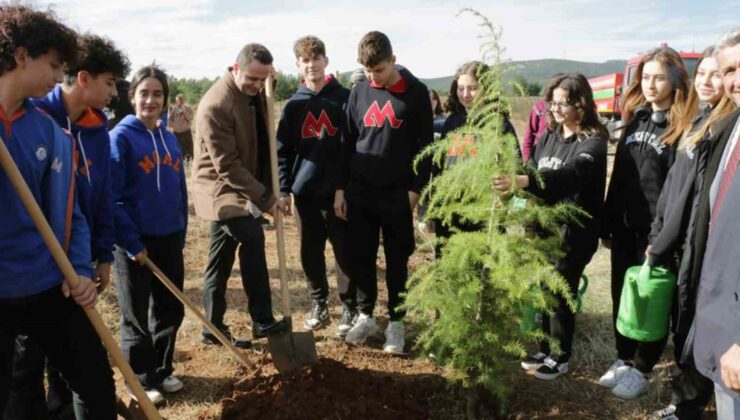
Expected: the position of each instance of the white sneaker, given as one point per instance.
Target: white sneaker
(612, 375)
(171, 384)
(363, 328)
(394, 338)
(631, 384)
(154, 395)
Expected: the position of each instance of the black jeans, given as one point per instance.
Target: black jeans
(562, 323)
(628, 249)
(27, 398)
(66, 337)
(148, 342)
(185, 141)
(245, 233)
(690, 390)
(317, 224)
(370, 211)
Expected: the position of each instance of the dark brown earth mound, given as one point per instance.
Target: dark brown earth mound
(332, 390)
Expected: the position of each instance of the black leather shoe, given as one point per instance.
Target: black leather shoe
(263, 329)
(239, 343)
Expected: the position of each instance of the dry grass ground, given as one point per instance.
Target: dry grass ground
(209, 373)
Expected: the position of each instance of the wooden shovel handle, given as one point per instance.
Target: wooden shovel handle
(34, 211)
(280, 230)
(212, 328)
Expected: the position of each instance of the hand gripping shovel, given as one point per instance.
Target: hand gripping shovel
(60, 257)
(289, 349)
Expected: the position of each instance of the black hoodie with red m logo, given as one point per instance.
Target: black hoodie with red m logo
(387, 127)
(308, 140)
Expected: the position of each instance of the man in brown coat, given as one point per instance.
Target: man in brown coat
(231, 187)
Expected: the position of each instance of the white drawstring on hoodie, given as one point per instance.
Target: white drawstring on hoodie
(156, 152)
(82, 149)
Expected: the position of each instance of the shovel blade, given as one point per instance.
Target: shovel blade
(291, 350)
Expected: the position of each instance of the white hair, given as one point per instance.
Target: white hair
(729, 39)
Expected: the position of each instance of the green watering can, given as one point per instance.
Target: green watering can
(645, 306)
(533, 318)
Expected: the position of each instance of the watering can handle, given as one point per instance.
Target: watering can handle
(644, 275)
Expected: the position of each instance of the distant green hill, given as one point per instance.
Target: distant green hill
(541, 71)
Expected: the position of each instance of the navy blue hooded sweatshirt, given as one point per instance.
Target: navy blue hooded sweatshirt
(150, 193)
(92, 175)
(641, 164)
(309, 137)
(387, 127)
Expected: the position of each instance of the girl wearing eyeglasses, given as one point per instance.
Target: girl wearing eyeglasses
(570, 159)
(653, 106)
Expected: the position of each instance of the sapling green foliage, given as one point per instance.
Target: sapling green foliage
(470, 300)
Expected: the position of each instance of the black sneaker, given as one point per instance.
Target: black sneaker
(239, 343)
(318, 317)
(263, 329)
(534, 361)
(551, 369)
(348, 319)
(667, 413)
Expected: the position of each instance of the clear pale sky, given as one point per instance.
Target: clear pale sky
(202, 37)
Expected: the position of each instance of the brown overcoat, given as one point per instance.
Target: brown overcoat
(226, 171)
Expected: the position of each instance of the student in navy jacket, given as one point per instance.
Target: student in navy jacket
(389, 120)
(653, 105)
(570, 158)
(76, 105)
(309, 138)
(34, 297)
(151, 216)
(674, 225)
(717, 343)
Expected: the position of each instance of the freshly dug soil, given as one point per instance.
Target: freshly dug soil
(332, 390)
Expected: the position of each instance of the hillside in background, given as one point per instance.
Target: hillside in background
(540, 71)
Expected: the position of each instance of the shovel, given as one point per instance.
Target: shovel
(212, 328)
(290, 350)
(68, 271)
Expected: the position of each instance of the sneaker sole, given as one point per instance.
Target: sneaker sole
(531, 366)
(318, 326)
(548, 376)
(173, 389)
(393, 350)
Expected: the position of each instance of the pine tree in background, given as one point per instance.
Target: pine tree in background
(470, 302)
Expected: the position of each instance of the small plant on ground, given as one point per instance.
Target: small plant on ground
(470, 302)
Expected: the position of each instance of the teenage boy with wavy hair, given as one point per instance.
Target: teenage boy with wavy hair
(389, 120)
(309, 137)
(34, 297)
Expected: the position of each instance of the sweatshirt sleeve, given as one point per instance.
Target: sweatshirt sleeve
(286, 150)
(127, 234)
(104, 230)
(424, 139)
(349, 142)
(217, 131)
(574, 175)
(610, 213)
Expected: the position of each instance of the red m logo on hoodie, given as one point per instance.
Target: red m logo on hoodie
(313, 127)
(375, 117)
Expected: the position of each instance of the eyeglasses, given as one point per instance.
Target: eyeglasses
(562, 105)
